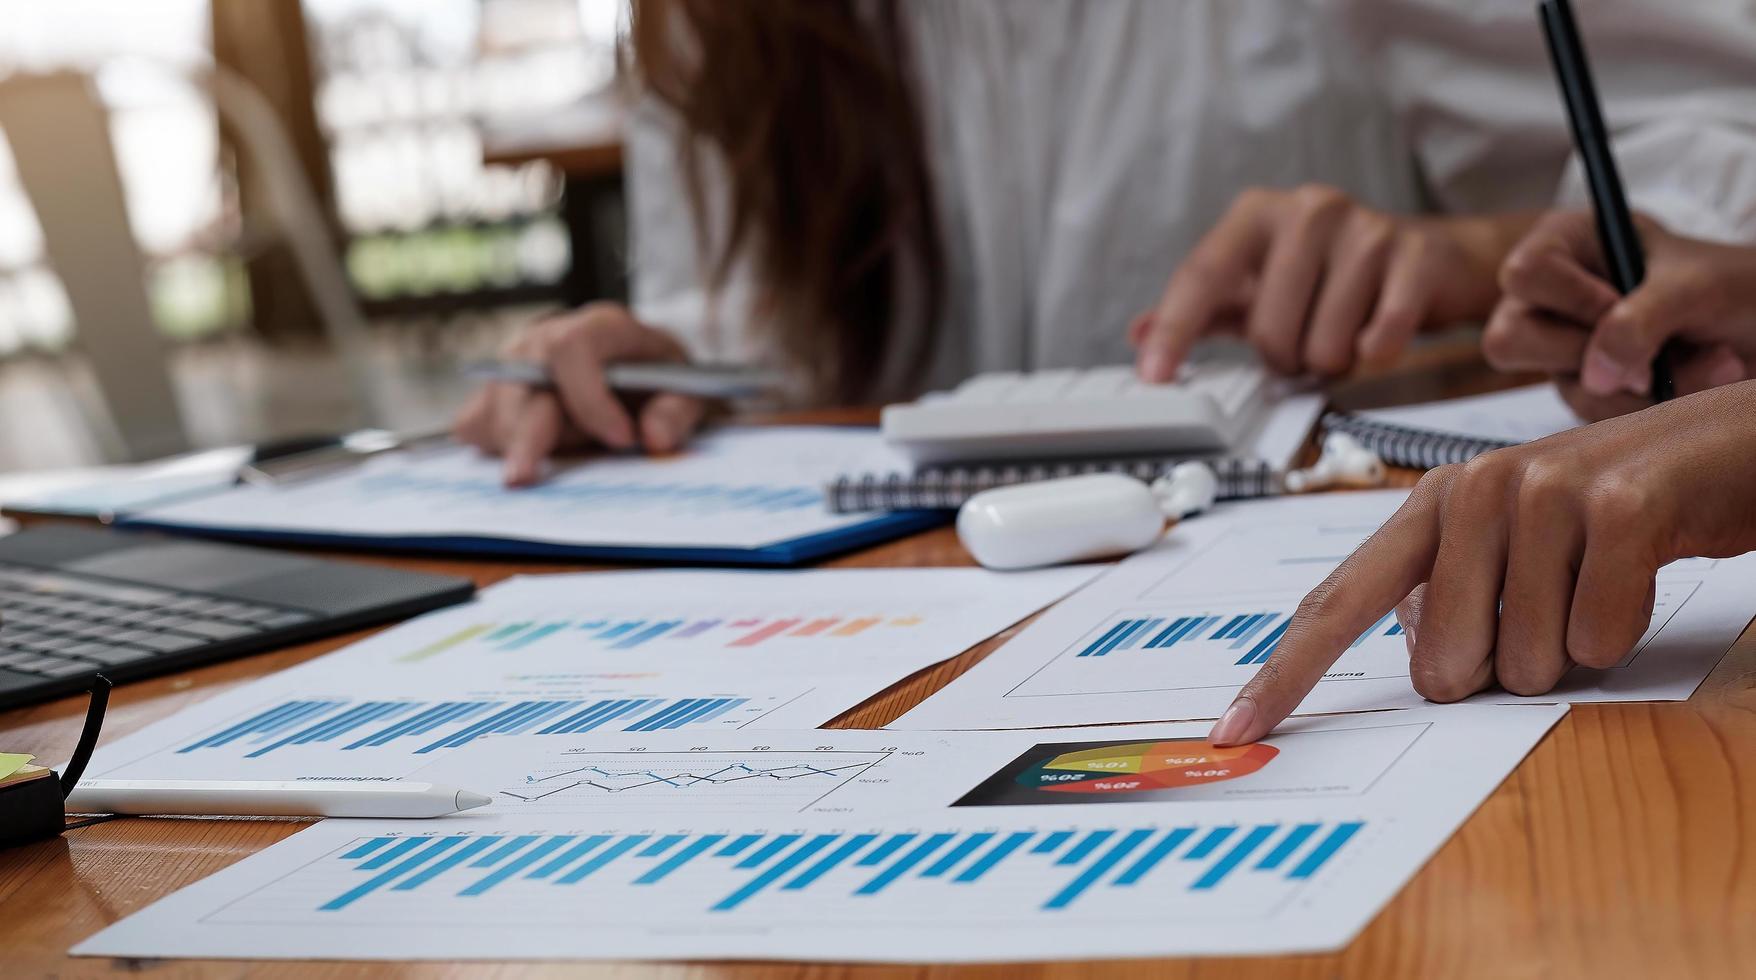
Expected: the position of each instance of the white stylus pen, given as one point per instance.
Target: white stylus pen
(241, 798)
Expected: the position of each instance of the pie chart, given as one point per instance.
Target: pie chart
(1144, 767)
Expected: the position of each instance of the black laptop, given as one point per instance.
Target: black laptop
(78, 600)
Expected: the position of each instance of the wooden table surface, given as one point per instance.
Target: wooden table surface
(1625, 845)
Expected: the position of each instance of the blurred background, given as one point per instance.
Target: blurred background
(205, 203)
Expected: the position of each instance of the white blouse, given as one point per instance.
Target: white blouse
(1079, 148)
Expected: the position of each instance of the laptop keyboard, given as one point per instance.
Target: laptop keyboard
(57, 625)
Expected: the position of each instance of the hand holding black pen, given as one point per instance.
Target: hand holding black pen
(1624, 258)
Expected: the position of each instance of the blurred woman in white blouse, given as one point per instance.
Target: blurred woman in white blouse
(885, 196)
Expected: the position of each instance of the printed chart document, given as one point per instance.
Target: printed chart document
(885, 846)
(1174, 632)
(562, 655)
(738, 488)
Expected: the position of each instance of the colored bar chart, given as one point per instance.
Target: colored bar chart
(436, 725)
(630, 496)
(1257, 634)
(738, 872)
(644, 633)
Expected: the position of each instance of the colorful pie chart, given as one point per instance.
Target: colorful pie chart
(1145, 766)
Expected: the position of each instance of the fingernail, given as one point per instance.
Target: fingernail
(1233, 725)
(1600, 375)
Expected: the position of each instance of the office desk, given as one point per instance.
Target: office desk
(1624, 846)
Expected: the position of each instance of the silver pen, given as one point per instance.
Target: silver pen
(729, 381)
(274, 798)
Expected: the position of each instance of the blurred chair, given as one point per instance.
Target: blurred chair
(59, 133)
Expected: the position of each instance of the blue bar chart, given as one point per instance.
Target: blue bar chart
(1207, 649)
(740, 871)
(429, 726)
(580, 494)
(1257, 634)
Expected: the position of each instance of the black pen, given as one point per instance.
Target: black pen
(1615, 222)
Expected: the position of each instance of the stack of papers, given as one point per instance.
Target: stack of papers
(658, 790)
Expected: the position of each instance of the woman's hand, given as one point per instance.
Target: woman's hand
(526, 425)
(1318, 282)
(1560, 315)
(1522, 563)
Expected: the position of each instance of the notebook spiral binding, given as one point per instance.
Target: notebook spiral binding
(947, 487)
(1401, 445)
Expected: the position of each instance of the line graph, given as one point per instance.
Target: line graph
(692, 782)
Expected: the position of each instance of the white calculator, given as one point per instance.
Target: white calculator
(1212, 407)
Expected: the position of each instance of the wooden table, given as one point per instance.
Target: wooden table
(1624, 846)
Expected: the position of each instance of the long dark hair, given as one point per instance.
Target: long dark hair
(811, 109)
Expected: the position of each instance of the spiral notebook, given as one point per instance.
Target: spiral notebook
(947, 487)
(1456, 430)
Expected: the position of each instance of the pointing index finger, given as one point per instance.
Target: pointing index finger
(1372, 581)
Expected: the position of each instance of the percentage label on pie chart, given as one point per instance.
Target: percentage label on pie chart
(1145, 767)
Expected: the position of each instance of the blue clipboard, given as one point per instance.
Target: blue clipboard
(796, 551)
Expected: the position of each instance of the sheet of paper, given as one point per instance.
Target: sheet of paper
(733, 488)
(879, 846)
(1283, 431)
(1173, 632)
(566, 654)
(1516, 415)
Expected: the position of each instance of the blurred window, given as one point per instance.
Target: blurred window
(401, 86)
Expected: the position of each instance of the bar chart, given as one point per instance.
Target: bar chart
(685, 782)
(1175, 631)
(580, 494)
(729, 490)
(1236, 632)
(427, 726)
(865, 874)
(1191, 647)
(659, 632)
(1293, 847)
